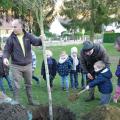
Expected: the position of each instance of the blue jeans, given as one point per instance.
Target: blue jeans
(105, 99)
(1, 85)
(64, 79)
(83, 80)
(8, 81)
(74, 79)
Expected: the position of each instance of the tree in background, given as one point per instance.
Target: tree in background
(90, 14)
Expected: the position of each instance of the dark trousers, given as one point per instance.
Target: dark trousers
(91, 90)
(51, 78)
(74, 79)
(35, 78)
(26, 72)
(83, 80)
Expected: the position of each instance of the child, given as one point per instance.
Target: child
(64, 67)
(34, 66)
(117, 73)
(52, 66)
(75, 68)
(103, 81)
(117, 90)
(4, 73)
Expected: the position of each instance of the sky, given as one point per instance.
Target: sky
(56, 27)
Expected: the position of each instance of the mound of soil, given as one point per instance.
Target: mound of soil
(103, 113)
(12, 112)
(59, 113)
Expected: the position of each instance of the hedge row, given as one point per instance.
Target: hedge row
(110, 37)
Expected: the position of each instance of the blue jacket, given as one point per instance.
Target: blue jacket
(13, 48)
(52, 66)
(64, 68)
(103, 81)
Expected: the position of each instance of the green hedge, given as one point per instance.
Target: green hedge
(110, 37)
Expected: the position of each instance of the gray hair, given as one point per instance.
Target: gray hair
(20, 22)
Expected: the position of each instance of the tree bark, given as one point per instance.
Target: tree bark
(39, 16)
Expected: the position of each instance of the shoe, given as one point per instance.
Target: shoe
(11, 89)
(63, 88)
(89, 99)
(38, 82)
(115, 100)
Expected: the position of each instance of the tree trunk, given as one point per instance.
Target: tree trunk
(92, 20)
(39, 16)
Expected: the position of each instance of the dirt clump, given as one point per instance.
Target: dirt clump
(59, 113)
(103, 113)
(12, 112)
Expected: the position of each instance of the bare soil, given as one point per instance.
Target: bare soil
(12, 112)
(103, 113)
(59, 113)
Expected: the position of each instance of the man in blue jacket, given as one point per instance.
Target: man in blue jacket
(18, 47)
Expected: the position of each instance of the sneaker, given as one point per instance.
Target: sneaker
(115, 100)
(67, 92)
(11, 89)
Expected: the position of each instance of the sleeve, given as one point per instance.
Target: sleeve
(83, 64)
(43, 69)
(7, 49)
(104, 56)
(33, 60)
(97, 81)
(54, 68)
(69, 65)
(79, 66)
(35, 41)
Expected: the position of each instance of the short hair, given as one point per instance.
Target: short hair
(63, 52)
(19, 21)
(100, 64)
(49, 52)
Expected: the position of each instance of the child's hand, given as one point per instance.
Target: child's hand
(87, 87)
(90, 76)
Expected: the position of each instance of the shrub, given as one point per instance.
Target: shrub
(110, 37)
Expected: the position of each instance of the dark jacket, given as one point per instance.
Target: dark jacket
(78, 68)
(4, 70)
(52, 66)
(13, 48)
(87, 62)
(103, 81)
(64, 68)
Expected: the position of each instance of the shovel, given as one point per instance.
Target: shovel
(75, 96)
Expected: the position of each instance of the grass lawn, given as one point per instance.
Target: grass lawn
(59, 97)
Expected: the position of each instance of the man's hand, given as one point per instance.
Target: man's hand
(6, 61)
(43, 37)
(87, 87)
(90, 76)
